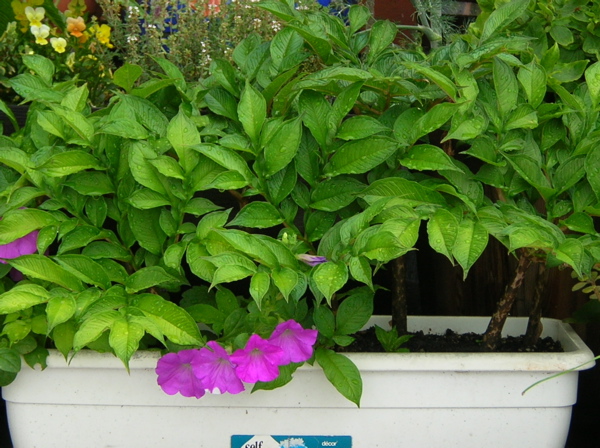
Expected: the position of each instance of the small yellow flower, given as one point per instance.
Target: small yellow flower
(75, 26)
(59, 44)
(40, 33)
(35, 16)
(102, 33)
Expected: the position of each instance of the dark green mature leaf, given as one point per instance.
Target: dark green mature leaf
(354, 311)
(360, 126)
(258, 215)
(592, 78)
(428, 158)
(381, 36)
(359, 156)
(409, 191)
(335, 193)
(342, 373)
(533, 79)
(148, 277)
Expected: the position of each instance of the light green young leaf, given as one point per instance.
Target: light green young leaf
(124, 338)
(330, 277)
(174, 322)
(507, 88)
(354, 311)
(442, 231)
(39, 266)
(428, 158)
(126, 76)
(85, 269)
(503, 16)
(252, 111)
(22, 297)
(147, 278)
(59, 310)
(285, 279)
(282, 146)
(259, 286)
(471, 240)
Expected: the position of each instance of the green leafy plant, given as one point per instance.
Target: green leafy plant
(192, 214)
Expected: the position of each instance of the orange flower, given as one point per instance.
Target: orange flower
(75, 26)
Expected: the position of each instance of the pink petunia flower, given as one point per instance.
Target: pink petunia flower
(295, 341)
(214, 368)
(258, 361)
(175, 374)
(25, 245)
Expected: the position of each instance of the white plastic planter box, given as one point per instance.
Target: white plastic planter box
(409, 400)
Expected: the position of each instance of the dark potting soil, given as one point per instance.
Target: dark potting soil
(366, 341)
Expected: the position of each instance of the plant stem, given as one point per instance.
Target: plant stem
(534, 324)
(399, 300)
(492, 335)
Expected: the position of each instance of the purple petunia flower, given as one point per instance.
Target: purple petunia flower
(175, 374)
(311, 260)
(25, 245)
(258, 361)
(295, 341)
(214, 368)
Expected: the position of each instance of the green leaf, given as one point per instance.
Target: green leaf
(434, 119)
(182, 133)
(59, 310)
(382, 35)
(85, 269)
(69, 162)
(358, 15)
(126, 76)
(227, 158)
(10, 361)
(174, 322)
(408, 191)
(336, 193)
(342, 373)
(313, 107)
(90, 183)
(231, 273)
(252, 111)
(471, 240)
(324, 321)
(503, 16)
(285, 279)
(145, 226)
(442, 81)
(147, 278)
(571, 252)
(360, 269)
(221, 102)
(257, 214)
(93, 327)
(360, 156)
(42, 66)
(505, 83)
(124, 338)
(428, 158)
(359, 127)
(282, 146)
(330, 277)
(354, 311)
(259, 286)
(286, 49)
(22, 297)
(442, 230)
(39, 266)
(18, 223)
(142, 170)
(580, 222)
(592, 169)
(533, 79)
(592, 78)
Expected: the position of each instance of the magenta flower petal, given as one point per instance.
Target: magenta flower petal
(22, 246)
(258, 361)
(214, 368)
(295, 341)
(175, 374)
